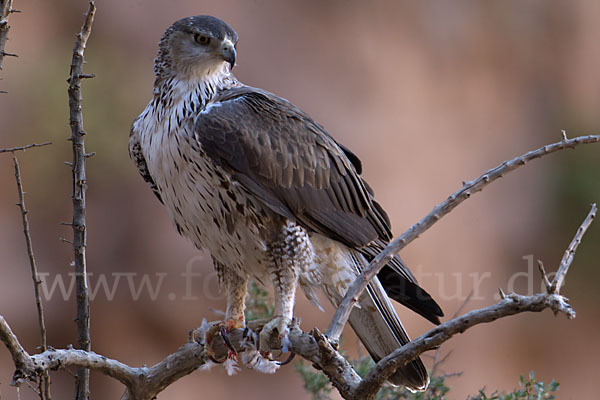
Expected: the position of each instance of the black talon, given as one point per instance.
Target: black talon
(211, 358)
(245, 333)
(267, 355)
(288, 360)
(198, 340)
(225, 337)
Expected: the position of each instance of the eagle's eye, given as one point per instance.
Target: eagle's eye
(201, 39)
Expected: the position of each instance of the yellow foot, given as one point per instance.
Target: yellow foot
(278, 325)
(206, 334)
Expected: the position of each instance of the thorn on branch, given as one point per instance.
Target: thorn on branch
(79, 186)
(86, 76)
(23, 148)
(564, 135)
(501, 293)
(567, 259)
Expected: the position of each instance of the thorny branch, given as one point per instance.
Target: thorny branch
(23, 148)
(567, 259)
(5, 10)
(82, 390)
(44, 384)
(358, 286)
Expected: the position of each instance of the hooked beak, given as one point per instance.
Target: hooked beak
(228, 52)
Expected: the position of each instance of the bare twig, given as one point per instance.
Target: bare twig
(512, 304)
(82, 390)
(23, 148)
(567, 259)
(34, 273)
(5, 11)
(343, 312)
(437, 357)
(45, 381)
(501, 293)
(545, 279)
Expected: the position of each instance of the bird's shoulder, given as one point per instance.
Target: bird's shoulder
(291, 163)
(266, 122)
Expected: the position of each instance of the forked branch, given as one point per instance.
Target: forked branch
(510, 304)
(358, 286)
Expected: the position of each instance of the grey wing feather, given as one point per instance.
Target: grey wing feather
(292, 164)
(135, 152)
(381, 332)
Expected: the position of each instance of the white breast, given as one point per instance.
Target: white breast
(200, 203)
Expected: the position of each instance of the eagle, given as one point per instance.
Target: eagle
(268, 192)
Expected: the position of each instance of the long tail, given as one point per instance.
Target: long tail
(379, 329)
(374, 320)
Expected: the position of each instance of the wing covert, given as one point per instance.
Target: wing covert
(292, 164)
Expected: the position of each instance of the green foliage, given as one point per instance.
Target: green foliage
(530, 390)
(258, 302)
(315, 382)
(259, 305)
(319, 387)
(437, 387)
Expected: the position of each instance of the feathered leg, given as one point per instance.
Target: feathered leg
(235, 288)
(291, 252)
(284, 277)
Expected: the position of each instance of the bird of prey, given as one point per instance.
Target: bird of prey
(268, 192)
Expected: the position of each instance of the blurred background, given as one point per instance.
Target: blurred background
(427, 94)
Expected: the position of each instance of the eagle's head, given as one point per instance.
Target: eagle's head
(196, 48)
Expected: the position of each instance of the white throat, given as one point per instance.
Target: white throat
(196, 91)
